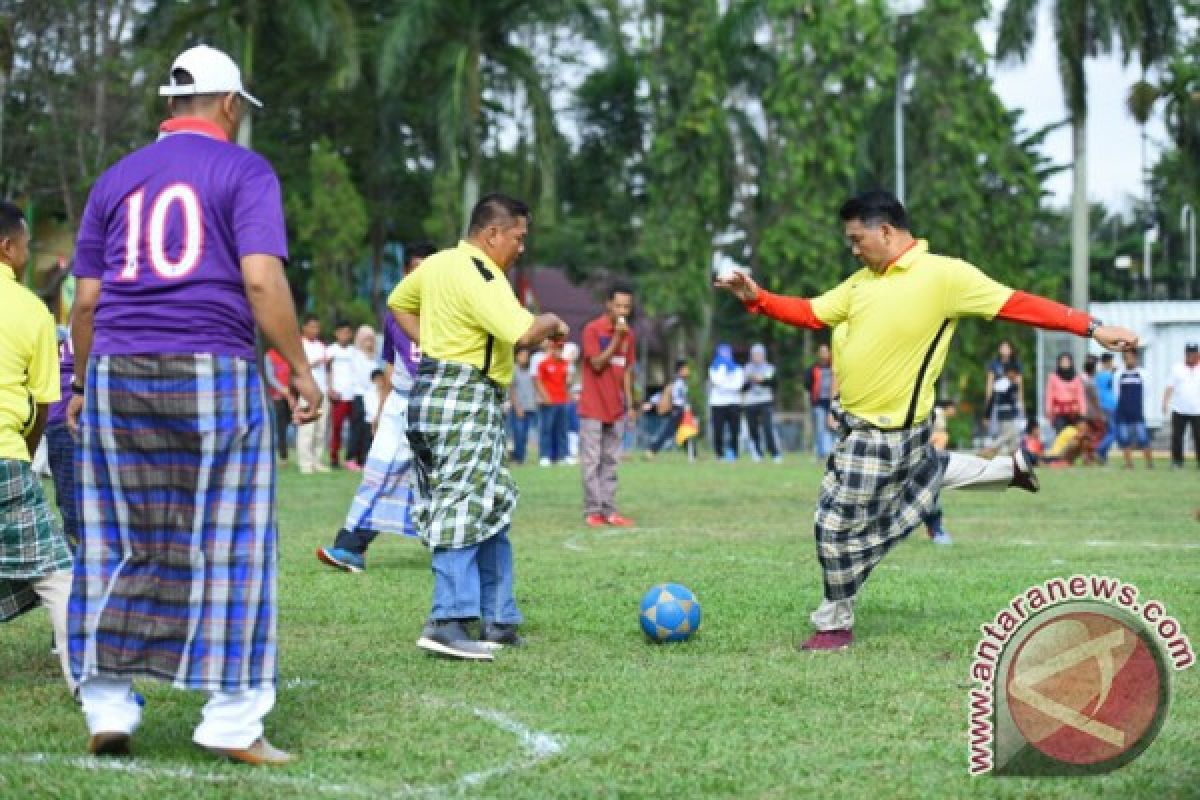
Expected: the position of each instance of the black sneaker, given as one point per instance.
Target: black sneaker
(498, 634)
(449, 637)
(1023, 477)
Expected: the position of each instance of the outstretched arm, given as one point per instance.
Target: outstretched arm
(796, 311)
(1030, 309)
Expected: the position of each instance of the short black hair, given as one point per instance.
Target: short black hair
(1031, 425)
(376, 373)
(873, 208)
(1106, 357)
(421, 249)
(496, 209)
(342, 323)
(188, 103)
(311, 316)
(12, 219)
(680, 363)
(619, 288)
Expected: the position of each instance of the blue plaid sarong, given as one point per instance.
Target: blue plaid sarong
(175, 571)
(384, 500)
(60, 449)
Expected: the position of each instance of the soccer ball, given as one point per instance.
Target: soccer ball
(669, 613)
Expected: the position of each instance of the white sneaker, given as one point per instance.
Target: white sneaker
(570, 461)
(778, 459)
(545, 462)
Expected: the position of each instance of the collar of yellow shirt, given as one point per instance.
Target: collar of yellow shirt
(7, 271)
(473, 251)
(909, 257)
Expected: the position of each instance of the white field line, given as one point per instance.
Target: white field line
(536, 746)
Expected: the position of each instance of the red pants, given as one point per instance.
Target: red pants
(341, 412)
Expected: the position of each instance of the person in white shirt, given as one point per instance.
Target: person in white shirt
(725, 381)
(365, 364)
(342, 387)
(1182, 399)
(310, 439)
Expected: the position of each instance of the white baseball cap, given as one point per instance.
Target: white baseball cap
(212, 71)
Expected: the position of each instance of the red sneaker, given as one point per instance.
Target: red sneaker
(619, 521)
(829, 640)
(595, 520)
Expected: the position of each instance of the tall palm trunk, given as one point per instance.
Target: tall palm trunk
(474, 111)
(1079, 214)
(246, 130)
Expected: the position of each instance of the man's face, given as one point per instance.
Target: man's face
(823, 355)
(312, 329)
(507, 243)
(1191, 359)
(14, 250)
(1130, 359)
(869, 245)
(344, 334)
(620, 305)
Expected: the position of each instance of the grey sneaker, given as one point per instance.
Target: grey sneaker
(450, 638)
(498, 634)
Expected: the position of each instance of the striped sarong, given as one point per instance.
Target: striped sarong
(31, 541)
(456, 428)
(383, 502)
(175, 573)
(878, 486)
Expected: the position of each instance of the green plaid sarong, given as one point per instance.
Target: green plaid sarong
(31, 542)
(456, 428)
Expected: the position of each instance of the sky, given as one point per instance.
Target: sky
(1113, 138)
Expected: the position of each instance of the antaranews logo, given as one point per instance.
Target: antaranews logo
(1072, 678)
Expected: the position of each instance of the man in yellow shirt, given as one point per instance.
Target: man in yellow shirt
(34, 560)
(461, 309)
(899, 311)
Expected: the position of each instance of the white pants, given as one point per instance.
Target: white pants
(230, 720)
(963, 471)
(311, 439)
(54, 590)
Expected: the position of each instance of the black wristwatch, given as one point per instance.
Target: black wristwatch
(1095, 323)
(77, 388)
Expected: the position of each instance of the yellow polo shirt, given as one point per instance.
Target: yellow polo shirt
(469, 313)
(28, 362)
(897, 331)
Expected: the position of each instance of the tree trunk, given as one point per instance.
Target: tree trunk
(1079, 217)
(245, 134)
(470, 193)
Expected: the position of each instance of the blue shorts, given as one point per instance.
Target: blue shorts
(1133, 433)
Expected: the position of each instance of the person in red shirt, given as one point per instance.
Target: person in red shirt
(551, 385)
(605, 404)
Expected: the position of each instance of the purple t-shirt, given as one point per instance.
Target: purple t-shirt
(57, 414)
(164, 230)
(397, 347)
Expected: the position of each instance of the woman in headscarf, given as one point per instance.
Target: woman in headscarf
(365, 363)
(1065, 398)
(759, 399)
(725, 381)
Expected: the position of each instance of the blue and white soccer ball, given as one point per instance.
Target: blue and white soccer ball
(669, 613)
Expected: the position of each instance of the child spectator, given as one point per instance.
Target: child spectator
(551, 386)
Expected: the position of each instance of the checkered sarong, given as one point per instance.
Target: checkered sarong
(175, 572)
(60, 449)
(456, 427)
(31, 541)
(877, 487)
(383, 502)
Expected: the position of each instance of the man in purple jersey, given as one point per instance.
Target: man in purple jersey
(384, 498)
(180, 253)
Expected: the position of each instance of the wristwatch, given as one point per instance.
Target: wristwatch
(77, 388)
(1095, 323)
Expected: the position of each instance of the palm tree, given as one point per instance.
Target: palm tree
(1085, 29)
(470, 50)
(327, 25)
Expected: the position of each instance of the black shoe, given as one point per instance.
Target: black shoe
(1023, 477)
(498, 634)
(449, 637)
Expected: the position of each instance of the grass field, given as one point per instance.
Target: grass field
(589, 709)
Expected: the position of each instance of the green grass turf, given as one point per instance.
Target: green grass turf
(736, 712)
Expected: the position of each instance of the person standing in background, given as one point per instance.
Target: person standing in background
(311, 439)
(818, 380)
(606, 405)
(759, 401)
(60, 445)
(1182, 400)
(343, 385)
(551, 385)
(523, 407)
(1065, 398)
(365, 364)
(1106, 391)
(1130, 414)
(725, 382)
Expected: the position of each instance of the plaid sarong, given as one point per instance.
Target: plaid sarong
(877, 487)
(456, 428)
(383, 502)
(60, 449)
(31, 541)
(175, 573)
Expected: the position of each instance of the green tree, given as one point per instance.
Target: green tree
(330, 220)
(1084, 29)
